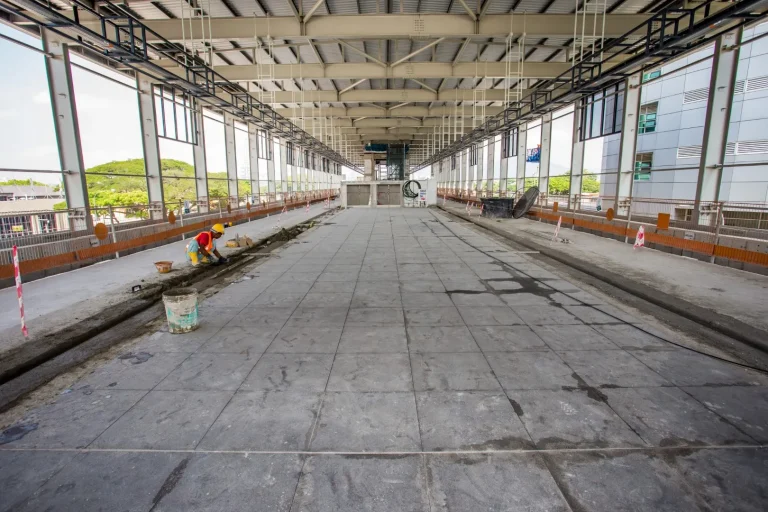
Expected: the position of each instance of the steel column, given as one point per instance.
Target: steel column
(253, 161)
(721, 87)
(544, 157)
(231, 157)
(198, 155)
(628, 145)
(151, 147)
(283, 166)
(522, 141)
(67, 130)
(577, 162)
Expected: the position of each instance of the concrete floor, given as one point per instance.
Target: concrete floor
(393, 360)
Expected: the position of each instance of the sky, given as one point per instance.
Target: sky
(109, 122)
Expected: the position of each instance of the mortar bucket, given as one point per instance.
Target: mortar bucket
(181, 310)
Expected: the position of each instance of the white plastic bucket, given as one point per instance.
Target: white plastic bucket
(181, 310)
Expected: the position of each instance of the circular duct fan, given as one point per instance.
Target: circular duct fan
(411, 189)
(525, 202)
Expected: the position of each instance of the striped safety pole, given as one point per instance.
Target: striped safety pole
(17, 275)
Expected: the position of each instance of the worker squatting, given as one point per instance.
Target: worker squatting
(201, 248)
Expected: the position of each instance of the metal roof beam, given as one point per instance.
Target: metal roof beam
(359, 112)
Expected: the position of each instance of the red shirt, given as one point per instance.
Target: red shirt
(203, 239)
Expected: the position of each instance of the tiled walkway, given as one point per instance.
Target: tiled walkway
(393, 360)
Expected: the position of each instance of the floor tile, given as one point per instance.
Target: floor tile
(165, 420)
(489, 315)
(630, 337)
(572, 337)
(241, 340)
(289, 372)
(426, 300)
(506, 338)
(452, 372)
(460, 421)
(685, 368)
(133, 370)
(441, 339)
(318, 317)
(612, 368)
(387, 317)
(371, 372)
(531, 370)
(210, 372)
(440, 316)
(476, 299)
(321, 340)
(746, 407)
(373, 339)
(545, 315)
(326, 299)
(24, 472)
(377, 422)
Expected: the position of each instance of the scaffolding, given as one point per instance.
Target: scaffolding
(196, 34)
(588, 30)
(265, 66)
(514, 65)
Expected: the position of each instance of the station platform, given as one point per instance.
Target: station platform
(395, 359)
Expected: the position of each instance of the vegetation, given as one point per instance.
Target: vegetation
(124, 184)
(11, 182)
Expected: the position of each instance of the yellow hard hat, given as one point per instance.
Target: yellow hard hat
(218, 228)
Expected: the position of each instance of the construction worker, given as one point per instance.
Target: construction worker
(199, 249)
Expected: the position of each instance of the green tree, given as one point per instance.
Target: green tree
(24, 182)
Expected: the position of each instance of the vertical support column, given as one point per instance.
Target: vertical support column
(229, 143)
(471, 171)
(283, 166)
(721, 86)
(151, 147)
(628, 144)
(480, 170)
(522, 141)
(577, 162)
(67, 130)
(544, 158)
(490, 165)
(462, 165)
(271, 188)
(198, 155)
(253, 160)
(503, 174)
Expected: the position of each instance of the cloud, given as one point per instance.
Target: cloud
(41, 98)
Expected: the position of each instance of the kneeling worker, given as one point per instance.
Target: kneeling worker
(200, 248)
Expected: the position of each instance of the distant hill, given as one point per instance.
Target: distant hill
(114, 184)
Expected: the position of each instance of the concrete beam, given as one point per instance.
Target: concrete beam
(356, 71)
(355, 112)
(393, 26)
(386, 95)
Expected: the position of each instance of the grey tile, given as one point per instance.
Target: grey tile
(373, 275)
(23, 472)
(688, 369)
(165, 420)
(375, 317)
(216, 481)
(379, 422)
(452, 372)
(441, 339)
(370, 287)
(506, 338)
(746, 407)
(318, 317)
(494, 274)
(445, 316)
(373, 339)
(531, 370)
(514, 482)
(524, 299)
(621, 481)
(545, 315)
(326, 299)
(476, 299)
(612, 368)
(98, 481)
(426, 300)
(264, 421)
(75, 419)
(571, 419)
(590, 315)
(376, 298)
(505, 285)
(572, 337)
(371, 372)
(163, 341)
(205, 371)
(466, 421)
(262, 317)
(669, 417)
(289, 372)
(241, 340)
(416, 286)
(134, 370)
(346, 275)
(630, 337)
(323, 340)
(376, 483)
(489, 315)
(727, 479)
(462, 285)
(333, 287)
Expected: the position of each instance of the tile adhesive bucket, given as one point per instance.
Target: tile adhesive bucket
(181, 310)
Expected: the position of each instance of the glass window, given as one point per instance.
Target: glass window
(643, 164)
(651, 75)
(647, 119)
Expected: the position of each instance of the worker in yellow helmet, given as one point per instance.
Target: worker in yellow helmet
(200, 248)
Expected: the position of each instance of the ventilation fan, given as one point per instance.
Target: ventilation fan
(525, 202)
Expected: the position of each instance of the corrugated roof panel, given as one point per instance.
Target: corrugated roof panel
(500, 6)
(148, 11)
(446, 51)
(530, 6)
(217, 9)
(329, 52)
(352, 56)
(435, 6)
(284, 56)
(274, 7)
(372, 6)
(307, 55)
(630, 6)
(372, 49)
(409, 6)
(342, 6)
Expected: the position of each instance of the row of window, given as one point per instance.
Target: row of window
(309, 160)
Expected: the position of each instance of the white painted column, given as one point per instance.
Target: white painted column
(198, 155)
(271, 189)
(577, 162)
(721, 86)
(503, 175)
(283, 167)
(489, 165)
(67, 130)
(253, 161)
(522, 140)
(480, 169)
(544, 159)
(151, 147)
(229, 143)
(628, 144)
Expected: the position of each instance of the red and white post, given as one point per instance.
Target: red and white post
(19, 294)
(307, 209)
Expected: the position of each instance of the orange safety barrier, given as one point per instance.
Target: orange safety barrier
(58, 260)
(706, 248)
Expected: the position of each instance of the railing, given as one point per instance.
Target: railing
(129, 229)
